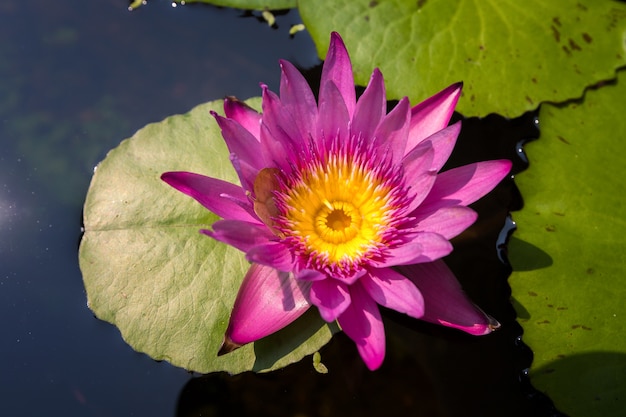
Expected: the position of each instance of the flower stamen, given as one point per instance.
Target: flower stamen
(337, 210)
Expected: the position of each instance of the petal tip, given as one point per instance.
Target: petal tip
(172, 178)
(493, 324)
(373, 363)
(228, 346)
(335, 37)
(507, 164)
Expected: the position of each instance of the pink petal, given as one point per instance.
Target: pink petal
(392, 132)
(434, 246)
(245, 205)
(443, 143)
(362, 323)
(446, 221)
(393, 290)
(331, 297)
(338, 70)
(310, 275)
(370, 108)
(267, 301)
(418, 173)
(425, 247)
(241, 142)
(273, 254)
(220, 197)
(282, 126)
(275, 148)
(333, 118)
(243, 114)
(297, 97)
(241, 235)
(444, 300)
(246, 172)
(432, 114)
(466, 184)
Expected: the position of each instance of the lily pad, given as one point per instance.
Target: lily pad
(511, 55)
(148, 270)
(569, 254)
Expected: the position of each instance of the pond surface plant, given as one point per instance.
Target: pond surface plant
(168, 308)
(341, 206)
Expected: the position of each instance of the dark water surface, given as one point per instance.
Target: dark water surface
(78, 77)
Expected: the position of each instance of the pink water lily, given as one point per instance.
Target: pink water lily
(342, 207)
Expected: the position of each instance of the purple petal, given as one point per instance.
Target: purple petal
(362, 323)
(331, 298)
(393, 290)
(310, 275)
(275, 148)
(245, 172)
(337, 69)
(370, 108)
(241, 235)
(241, 142)
(268, 300)
(466, 184)
(297, 97)
(434, 246)
(333, 118)
(444, 300)
(425, 247)
(272, 254)
(443, 143)
(276, 115)
(418, 173)
(220, 197)
(281, 124)
(446, 221)
(243, 114)
(392, 132)
(432, 114)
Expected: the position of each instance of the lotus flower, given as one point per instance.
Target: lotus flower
(342, 207)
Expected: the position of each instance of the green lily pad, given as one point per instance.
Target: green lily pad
(148, 270)
(569, 254)
(511, 55)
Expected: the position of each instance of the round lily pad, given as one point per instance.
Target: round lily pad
(147, 269)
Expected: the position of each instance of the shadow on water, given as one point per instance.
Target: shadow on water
(428, 370)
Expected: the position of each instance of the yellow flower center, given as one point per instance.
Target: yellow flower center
(337, 211)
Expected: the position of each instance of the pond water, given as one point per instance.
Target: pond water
(78, 77)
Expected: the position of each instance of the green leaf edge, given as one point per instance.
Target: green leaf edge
(273, 352)
(353, 20)
(569, 311)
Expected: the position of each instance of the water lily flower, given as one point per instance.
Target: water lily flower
(342, 206)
